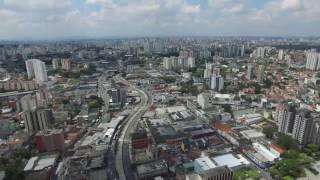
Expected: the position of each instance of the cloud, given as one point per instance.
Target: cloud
(96, 18)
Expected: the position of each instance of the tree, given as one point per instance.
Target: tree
(287, 142)
(269, 131)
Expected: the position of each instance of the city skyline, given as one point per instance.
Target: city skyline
(63, 19)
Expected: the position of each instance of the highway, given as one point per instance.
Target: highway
(123, 164)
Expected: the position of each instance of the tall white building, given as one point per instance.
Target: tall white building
(66, 64)
(170, 63)
(55, 63)
(285, 116)
(191, 62)
(250, 72)
(281, 55)
(260, 75)
(302, 127)
(313, 60)
(260, 52)
(203, 100)
(36, 69)
(217, 82)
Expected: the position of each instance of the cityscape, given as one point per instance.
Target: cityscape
(141, 100)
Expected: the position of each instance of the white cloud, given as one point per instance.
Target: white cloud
(54, 18)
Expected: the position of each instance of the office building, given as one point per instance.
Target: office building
(217, 82)
(36, 69)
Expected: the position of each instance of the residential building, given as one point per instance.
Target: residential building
(217, 82)
(302, 127)
(285, 116)
(36, 69)
(313, 60)
(250, 72)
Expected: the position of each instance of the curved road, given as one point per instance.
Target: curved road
(123, 163)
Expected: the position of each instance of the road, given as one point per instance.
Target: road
(123, 164)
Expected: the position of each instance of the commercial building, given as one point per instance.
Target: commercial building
(40, 167)
(233, 161)
(218, 173)
(153, 169)
(203, 164)
(50, 140)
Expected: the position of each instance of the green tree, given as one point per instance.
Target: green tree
(269, 131)
(287, 142)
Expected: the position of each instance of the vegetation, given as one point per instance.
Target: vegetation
(291, 166)
(188, 88)
(168, 79)
(95, 102)
(197, 72)
(313, 150)
(246, 173)
(287, 142)
(90, 70)
(269, 131)
(13, 166)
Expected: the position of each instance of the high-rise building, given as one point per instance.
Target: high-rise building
(285, 116)
(170, 63)
(313, 60)
(250, 72)
(281, 55)
(118, 96)
(242, 51)
(260, 74)
(37, 120)
(36, 69)
(66, 64)
(203, 101)
(55, 63)
(302, 127)
(191, 62)
(217, 82)
(315, 132)
(27, 103)
(261, 52)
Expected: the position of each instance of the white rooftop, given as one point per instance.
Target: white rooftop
(176, 109)
(231, 160)
(205, 163)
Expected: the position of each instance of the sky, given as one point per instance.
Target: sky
(58, 19)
